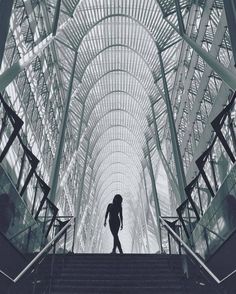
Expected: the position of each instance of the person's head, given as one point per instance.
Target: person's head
(117, 200)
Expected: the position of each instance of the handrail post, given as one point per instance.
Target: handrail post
(189, 250)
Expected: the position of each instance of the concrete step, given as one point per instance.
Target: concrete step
(164, 283)
(130, 290)
(116, 274)
(112, 276)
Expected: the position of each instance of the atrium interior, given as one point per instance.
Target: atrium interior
(129, 97)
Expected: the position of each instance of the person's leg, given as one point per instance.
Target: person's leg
(114, 244)
(113, 231)
(119, 245)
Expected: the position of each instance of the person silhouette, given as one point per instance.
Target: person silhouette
(114, 210)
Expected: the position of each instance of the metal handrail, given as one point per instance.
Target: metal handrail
(34, 260)
(193, 254)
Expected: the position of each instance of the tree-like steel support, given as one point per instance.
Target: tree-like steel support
(5, 15)
(56, 17)
(224, 73)
(80, 194)
(174, 139)
(61, 142)
(230, 11)
(74, 156)
(165, 164)
(89, 225)
(138, 222)
(144, 219)
(155, 196)
(11, 73)
(149, 207)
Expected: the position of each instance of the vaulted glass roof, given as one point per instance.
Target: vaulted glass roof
(93, 79)
(117, 78)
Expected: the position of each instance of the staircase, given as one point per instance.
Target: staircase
(117, 274)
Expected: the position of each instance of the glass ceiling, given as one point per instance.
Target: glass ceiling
(118, 44)
(117, 110)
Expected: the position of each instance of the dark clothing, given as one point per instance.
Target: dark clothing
(114, 212)
(115, 216)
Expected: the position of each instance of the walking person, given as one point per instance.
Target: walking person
(114, 210)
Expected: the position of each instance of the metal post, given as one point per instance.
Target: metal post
(179, 16)
(165, 164)
(138, 221)
(61, 141)
(224, 73)
(149, 206)
(169, 244)
(56, 17)
(134, 237)
(21, 171)
(5, 15)
(80, 126)
(91, 183)
(230, 12)
(174, 139)
(94, 237)
(73, 158)
(145, 222)
(156, 200)
(80, 193)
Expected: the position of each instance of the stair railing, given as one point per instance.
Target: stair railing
(36, 259)
(195, 256)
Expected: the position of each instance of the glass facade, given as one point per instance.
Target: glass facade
(119, 96)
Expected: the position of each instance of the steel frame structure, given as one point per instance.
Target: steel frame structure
(115, 95)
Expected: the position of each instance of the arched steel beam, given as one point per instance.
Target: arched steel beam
(122, 46)
(126, 167)
(111, 127)
(109, 72)
(111, 16)
(113, 163)
(94, 126)
(110, 93)
(118, 174)
(110, 142)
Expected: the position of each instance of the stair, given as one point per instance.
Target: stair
(117, 274)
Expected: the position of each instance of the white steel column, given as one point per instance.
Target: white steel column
(60, 144)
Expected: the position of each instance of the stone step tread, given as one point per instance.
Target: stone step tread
(120, 276)
(123, 280)
(117, 266)
(126, 291)
(68, 287)
(108, 254)
(108, 271)
(91, 261)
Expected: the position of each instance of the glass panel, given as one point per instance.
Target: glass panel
(16, 222)
(219, 221)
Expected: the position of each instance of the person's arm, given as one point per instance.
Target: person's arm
(121, 218)
(105, 222)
